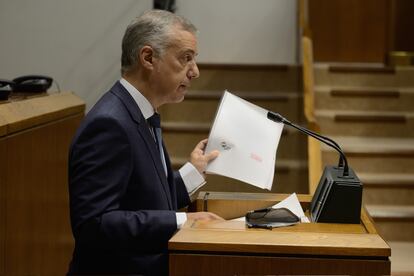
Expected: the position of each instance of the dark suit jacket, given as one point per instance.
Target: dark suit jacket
(122, 205)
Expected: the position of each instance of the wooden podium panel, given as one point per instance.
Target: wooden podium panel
(35, 133)
(230, 248)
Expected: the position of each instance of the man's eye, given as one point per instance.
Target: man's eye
(188, 58)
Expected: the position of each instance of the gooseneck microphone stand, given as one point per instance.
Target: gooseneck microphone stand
(338, 196)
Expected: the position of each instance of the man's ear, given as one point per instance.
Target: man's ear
(146, 57)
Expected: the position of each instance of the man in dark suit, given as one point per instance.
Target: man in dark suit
(124, 196)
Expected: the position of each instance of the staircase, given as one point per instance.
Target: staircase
(275, 88)
(369, 111)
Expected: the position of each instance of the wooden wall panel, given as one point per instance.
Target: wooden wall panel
(38, 236)
(350, 30)
(208, 264)
(3, 162)
(402, 24)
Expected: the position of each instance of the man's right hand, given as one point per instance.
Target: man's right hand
(200, 159)
(203, 216)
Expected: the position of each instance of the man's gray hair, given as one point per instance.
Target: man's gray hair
(150, 29)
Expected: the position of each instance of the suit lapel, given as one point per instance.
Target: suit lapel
(145, 133)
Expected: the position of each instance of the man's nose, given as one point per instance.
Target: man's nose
(193, 73)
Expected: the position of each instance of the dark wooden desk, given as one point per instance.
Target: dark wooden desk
(229, 248)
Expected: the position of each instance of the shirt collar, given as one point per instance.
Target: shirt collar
(142, 102)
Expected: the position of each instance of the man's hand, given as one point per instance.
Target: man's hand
(203, 216)
(199, 159)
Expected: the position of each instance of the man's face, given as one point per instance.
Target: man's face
(175, 68)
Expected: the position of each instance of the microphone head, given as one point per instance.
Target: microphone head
(276, 117)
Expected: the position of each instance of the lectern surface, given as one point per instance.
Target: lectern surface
(312, 238)
(230, 248)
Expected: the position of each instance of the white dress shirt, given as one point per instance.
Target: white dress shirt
(191, 177)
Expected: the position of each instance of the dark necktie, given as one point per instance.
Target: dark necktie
(155, 122)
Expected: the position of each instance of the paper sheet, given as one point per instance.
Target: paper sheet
(292, 203)
(247, 141)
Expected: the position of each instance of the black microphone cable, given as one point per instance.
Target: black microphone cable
(276, 117)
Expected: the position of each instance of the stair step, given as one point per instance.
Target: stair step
(248, 78)
(362, 75)
(366, 123)
(361, 69)
(192, 127)
(364, 98)
(354, 145)
(373, 155)
(247, 95)
(290, 176)
(391, 188)
(387, 180)
(367, 92)
(402, 256)
(181, 138)
(393, 222)
(201, 106)
(391, 212)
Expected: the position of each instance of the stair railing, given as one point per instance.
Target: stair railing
(314, 146)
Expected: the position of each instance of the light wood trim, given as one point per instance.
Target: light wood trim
(308, 79)
(315, 163)
(314, 147)
(314, 159)
(368, 222)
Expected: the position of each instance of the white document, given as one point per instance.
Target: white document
(247, 141)
(292, 203)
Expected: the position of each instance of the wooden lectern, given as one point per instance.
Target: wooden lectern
(230, 248)
(35, 133)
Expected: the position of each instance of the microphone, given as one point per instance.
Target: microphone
(338, 197)
(280, 119)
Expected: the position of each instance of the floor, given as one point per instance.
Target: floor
(402, 258)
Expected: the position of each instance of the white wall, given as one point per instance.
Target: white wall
(78, 42)
(244, 31)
